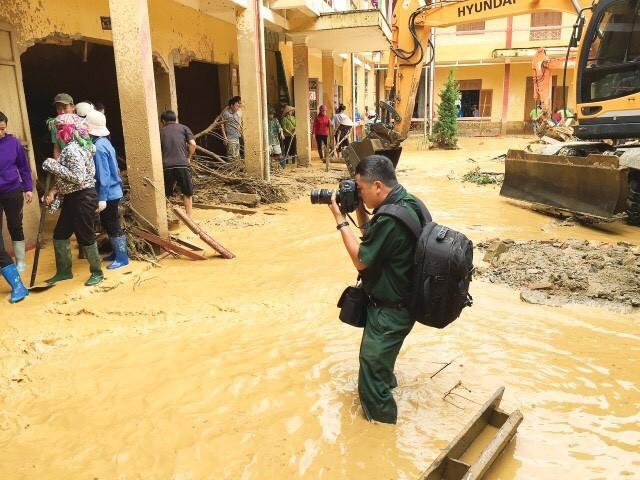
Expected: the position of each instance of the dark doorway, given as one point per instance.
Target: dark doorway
(84, 70)
(198, 92)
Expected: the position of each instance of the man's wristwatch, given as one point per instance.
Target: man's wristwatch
(340, 225)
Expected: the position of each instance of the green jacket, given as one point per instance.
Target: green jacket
(288, 125)
(387, 249)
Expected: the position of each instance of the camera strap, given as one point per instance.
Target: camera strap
(365, 226)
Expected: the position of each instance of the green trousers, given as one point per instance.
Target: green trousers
(382, 338)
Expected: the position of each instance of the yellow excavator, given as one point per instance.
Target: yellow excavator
(597, 175)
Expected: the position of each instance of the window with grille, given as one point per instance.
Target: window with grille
(474, 100)
(473, 27)
(540, 20)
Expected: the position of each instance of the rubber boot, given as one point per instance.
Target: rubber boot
(93, 257)
(120, 249)
(62, 249)
(18, 290)
(112, 256)
(18, 251)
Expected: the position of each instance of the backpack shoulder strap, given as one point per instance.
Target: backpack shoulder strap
(425, 216)
(402, 214)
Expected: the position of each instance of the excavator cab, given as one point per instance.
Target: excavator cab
(591, 176)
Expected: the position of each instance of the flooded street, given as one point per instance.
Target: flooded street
(241, 369)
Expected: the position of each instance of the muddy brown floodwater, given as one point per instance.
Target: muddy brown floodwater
(240, 369)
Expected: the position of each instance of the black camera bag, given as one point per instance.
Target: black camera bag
(353, 306)
(443, 267)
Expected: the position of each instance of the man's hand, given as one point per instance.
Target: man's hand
(335, 209)
(48, 199)
(349, 239)
(101, 206)
(28, 197)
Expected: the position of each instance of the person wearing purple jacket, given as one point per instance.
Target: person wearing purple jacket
(16, 187)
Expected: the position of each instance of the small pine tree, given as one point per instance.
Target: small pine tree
(445, 130)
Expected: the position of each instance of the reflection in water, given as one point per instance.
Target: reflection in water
(241, 369)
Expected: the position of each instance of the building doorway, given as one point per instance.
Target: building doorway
(82, 69)
(199, 103)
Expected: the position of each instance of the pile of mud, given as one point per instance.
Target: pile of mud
(554, 272)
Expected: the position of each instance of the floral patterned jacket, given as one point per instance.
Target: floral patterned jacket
(74, 170)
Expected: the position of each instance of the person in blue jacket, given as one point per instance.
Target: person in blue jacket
(109, 188)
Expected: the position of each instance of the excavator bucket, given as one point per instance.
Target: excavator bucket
(594, 185)
(381, 140)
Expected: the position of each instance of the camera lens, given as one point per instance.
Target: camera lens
(321, 195)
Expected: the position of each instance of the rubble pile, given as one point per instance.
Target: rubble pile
(217, 184)
(553, 272)
(480, 177)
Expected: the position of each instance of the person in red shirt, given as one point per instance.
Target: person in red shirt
(321, 129)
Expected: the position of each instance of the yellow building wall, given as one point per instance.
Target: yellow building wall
(347, 91)
(522, 34)
(465, 47)
(517, 91)
(315, 64)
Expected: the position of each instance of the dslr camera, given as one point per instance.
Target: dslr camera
(347, 196)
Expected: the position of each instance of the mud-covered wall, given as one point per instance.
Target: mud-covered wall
(174, 27)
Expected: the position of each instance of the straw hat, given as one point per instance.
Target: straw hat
(287, 109)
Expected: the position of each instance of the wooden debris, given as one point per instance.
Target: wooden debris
(185, 243)
(243, 211)
(550, 140)
(168, 245)
(210, 153)
(202, 234)
(248, 199)
(449, 466)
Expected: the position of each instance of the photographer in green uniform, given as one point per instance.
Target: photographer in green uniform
(384, 260)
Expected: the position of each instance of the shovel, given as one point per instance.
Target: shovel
(43, 211)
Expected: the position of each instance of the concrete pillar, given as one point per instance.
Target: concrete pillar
(301, 90)
(328, 80)
(165, 79)
(253, 89)
(137, 93)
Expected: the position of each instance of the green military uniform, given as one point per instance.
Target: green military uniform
(387, 249)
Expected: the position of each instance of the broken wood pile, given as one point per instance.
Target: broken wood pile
(214, 180)
(143, 239)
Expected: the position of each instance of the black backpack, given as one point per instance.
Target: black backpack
(443, 267)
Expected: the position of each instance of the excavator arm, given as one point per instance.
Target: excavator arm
(411, 26)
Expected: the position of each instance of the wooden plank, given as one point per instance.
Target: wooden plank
(185, 243)
(461, 442)
(492, 451)
(498, 418)
(243, 211)
(167, 244)
(206, 238)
